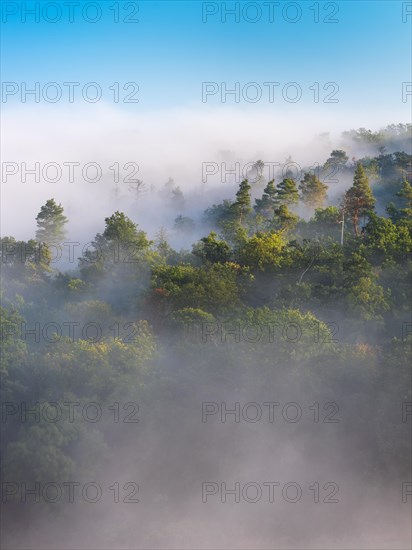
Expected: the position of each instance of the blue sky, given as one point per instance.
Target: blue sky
(171, 51)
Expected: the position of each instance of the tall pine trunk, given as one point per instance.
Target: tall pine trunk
(355, 219)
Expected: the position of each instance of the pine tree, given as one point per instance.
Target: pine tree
(212, 249)
(313, 191)
(267, 203)
(184, 224)
(243, 204)
(338, 158)
(177, 199)
(406, 194)
(121, 229)
(50, 223)
(287, 192)
(137, 188)
(284, 219)
(258, 166)
(258, 179)
(359, 199)
(162, 246)
(120, 243)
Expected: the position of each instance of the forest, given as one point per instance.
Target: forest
(293, 293)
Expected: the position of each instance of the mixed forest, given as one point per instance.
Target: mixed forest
(269, 301)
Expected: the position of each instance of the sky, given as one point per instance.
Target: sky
(170, 48)
(172, 85)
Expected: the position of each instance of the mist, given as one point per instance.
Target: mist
(177, 144)
(206, 300)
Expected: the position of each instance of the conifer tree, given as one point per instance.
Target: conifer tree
(313, 191)
(287, 192)
(50, 222)
(406, 194)
(177, 198)
(284, 219)
(359, 199)
(242, 206)
(267, 203)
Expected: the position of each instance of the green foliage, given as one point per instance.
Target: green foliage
(241, 208)
(218, 214)
(121, 253)
(394, 136)
(213, 288)
(385, 239)
(13, 348)
(121, 243)
(338, 158)
(98, 369)
(294, 334)
(76, 285)
(287, 192)
(24, 263)
(120, 228)
(51, 223)
(328, 216)
(212, 249)
(313, 191)
(40, 453)
(190, 317)
(359, 199)
(263, 251)
(406, 194)
(267, 203)
(368, 298)
(263, 268)
(371, 167)
(284, 219)
(403, 163)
